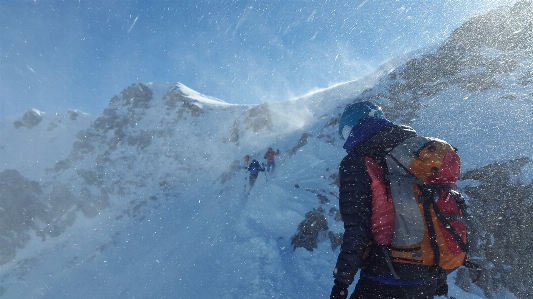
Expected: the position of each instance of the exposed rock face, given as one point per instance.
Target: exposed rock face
(234, 134)
(19, 205)
(309, 230)
(473, 56)
(505, 30)
(501, 204)
(259, 118)
(302, 142)
(29, 119)
(177, 101)
(135, 96)
(190, 108)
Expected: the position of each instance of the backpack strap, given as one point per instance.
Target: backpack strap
(461, 203)
(408, 178)
(431, 232)
(386, 253)
(455, 235)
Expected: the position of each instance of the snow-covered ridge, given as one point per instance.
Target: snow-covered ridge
(200, 97)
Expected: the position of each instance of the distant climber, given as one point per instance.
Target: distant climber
(271, 163)
(247, 160)
(254, 170)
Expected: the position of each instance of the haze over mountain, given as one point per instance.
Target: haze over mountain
(147, 199)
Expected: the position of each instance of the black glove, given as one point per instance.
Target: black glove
(442, 288)
(339, 290)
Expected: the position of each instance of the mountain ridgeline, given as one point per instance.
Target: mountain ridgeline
(165, 143)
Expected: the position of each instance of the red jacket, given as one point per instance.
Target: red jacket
(270, 155)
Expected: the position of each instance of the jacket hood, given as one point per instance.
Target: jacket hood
(364, 130)
(376, 136)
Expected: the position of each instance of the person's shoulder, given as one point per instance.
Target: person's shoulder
(392, 136)
(406, 129)
(355, 157)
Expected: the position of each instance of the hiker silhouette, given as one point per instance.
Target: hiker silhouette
(271, 162)
(254, 170)
(369, 203)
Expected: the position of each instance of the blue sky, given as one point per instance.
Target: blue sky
(57, 55)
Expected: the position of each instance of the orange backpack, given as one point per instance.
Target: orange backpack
(427, 228)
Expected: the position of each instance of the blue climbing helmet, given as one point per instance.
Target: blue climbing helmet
(354, 113)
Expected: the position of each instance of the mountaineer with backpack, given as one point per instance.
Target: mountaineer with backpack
(254, 170)
(271, 162)
(402, 221)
